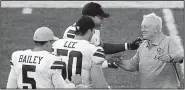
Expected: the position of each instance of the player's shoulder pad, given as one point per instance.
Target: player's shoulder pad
(98, 56)
(14, 55)
(52, 56)
(69, 32)
(57, 42)
(99, 52)
(70, 28)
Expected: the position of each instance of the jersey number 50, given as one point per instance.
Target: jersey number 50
(67, 70)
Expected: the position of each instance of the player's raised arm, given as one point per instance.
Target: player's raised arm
(115, 48)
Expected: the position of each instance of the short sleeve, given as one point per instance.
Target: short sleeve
(136, 58)
(12, 78)
(57, 45)
(98, 56)
(175, 50)
(135, 61)
(69, 32)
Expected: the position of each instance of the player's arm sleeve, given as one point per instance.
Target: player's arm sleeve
(98, 56)
(57, 79)
(175, 51)
(97, 76)
(113, 48)
(108, 48)
(12, 78)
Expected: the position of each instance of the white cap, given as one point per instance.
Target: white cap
(44, 34)
(152, 19)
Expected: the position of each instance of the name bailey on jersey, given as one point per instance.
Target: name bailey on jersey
(30, 59)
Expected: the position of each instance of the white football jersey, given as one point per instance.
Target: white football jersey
(36, 69)
(70, 33)
(79, 56)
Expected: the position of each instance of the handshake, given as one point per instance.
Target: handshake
(115, 61)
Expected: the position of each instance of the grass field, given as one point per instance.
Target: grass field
(124, 25)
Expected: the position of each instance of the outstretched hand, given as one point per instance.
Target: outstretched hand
(115, 59)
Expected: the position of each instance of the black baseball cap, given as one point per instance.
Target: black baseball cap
(94, 9)
(84, 24)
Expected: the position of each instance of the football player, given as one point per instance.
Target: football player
(38, 68)
(95, 11)
(82, 57)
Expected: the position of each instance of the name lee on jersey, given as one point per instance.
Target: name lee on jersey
(70, 44)
(30, 59)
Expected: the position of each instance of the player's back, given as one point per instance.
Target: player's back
(78, 56)
(70, 33)
(33, 68)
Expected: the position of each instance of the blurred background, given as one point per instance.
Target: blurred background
(19, 20)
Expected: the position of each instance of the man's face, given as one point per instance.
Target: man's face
(91, 34)
(98, 20)
(148, 31)
(49, 45)
(148, 28)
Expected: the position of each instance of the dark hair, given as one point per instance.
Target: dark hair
(83, 25)
(94, 9)
(40, 42)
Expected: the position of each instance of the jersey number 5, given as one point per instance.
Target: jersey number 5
(67, 70)
(25, 78)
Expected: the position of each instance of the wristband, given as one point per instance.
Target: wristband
(126, 46)
(109, 87)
